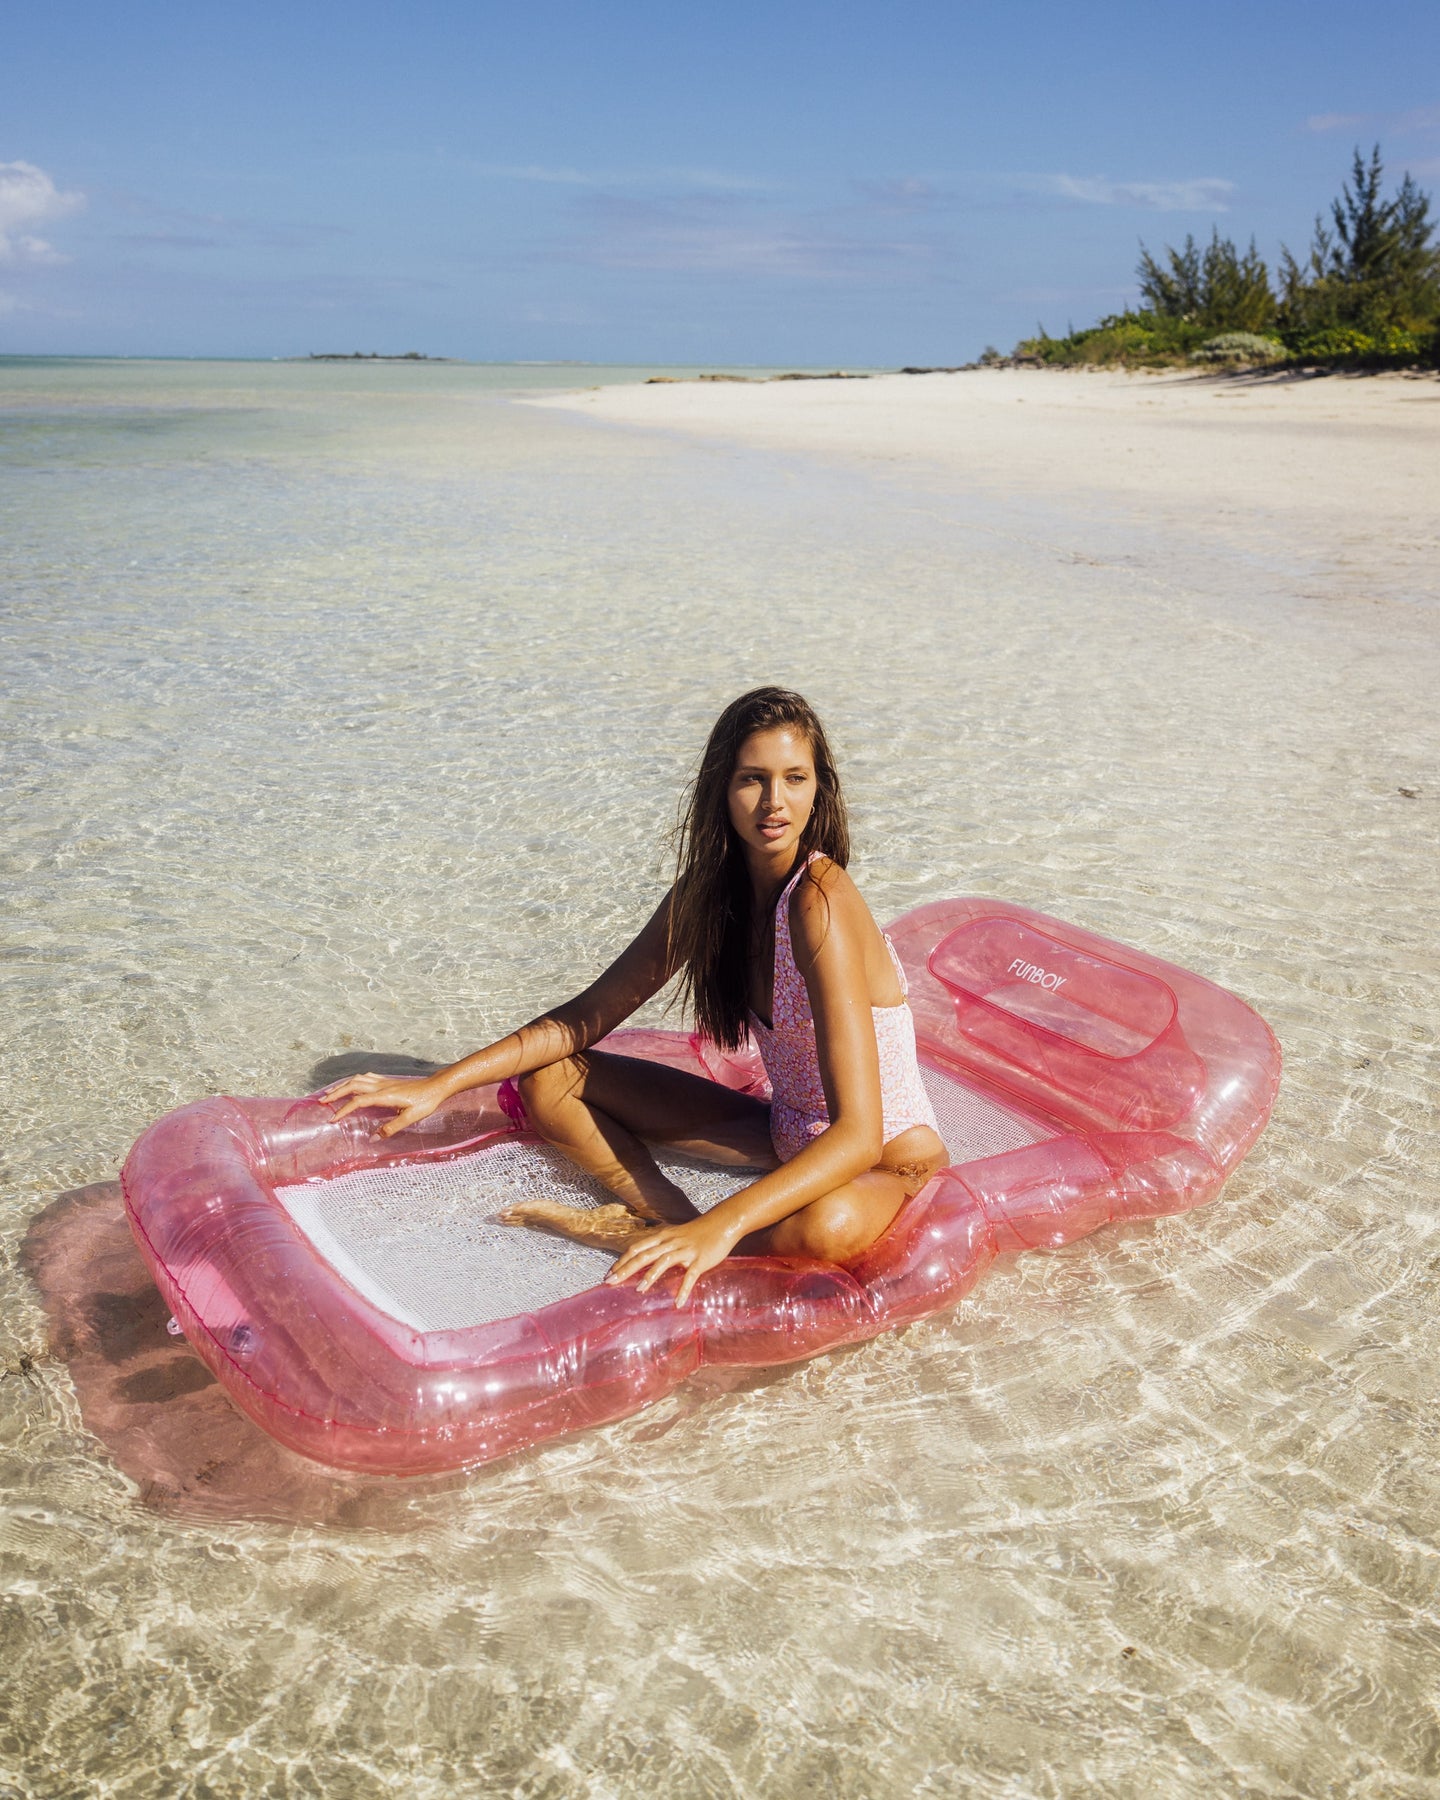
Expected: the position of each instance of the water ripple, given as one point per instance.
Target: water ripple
(343, 718)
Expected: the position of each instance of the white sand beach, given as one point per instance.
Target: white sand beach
(1343, 470)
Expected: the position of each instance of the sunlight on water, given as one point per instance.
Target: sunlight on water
(346, 710)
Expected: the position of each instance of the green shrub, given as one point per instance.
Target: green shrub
(1367, 295)
(1239, 347)
(1389, 346)
(1139, 340)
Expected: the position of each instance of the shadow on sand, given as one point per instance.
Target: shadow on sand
(156, 1408)
(345, 1063)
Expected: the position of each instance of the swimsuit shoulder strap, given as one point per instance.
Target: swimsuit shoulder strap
(794, 880)
(782, 905)
(899, 966)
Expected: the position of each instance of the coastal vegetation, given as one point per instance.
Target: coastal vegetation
(1366, 295)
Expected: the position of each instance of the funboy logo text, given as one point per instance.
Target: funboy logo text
(1028, 971)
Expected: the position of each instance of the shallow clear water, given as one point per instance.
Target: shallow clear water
(346, 711)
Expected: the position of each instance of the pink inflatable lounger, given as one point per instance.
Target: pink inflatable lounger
(356, 1298)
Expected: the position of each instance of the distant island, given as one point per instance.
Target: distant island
(367, 356)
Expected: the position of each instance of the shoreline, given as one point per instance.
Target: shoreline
(1332, 472)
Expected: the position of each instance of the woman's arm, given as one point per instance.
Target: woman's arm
(829, 924)
(640, 970)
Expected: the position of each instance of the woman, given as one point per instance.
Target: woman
(770, 936)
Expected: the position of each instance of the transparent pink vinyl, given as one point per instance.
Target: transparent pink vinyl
(1123, 1088)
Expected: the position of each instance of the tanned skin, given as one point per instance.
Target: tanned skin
(835, 1197)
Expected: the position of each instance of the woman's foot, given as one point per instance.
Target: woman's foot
(601, 1227)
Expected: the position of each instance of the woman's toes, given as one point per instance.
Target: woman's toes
(522, 1212)
(553, 1213)
(603, 1227)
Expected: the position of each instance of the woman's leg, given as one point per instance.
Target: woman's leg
(598, 1107)
(840, 1225)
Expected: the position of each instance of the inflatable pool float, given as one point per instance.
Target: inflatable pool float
(356, 1298)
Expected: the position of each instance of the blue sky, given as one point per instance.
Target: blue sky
(785, 183)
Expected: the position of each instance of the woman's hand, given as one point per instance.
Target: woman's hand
(694, 1247)
(415, 1096)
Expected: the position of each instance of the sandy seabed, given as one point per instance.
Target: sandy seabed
(344, 713)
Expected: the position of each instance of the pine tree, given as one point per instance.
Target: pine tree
(1217, 287)
(1417, 260)
(1235, 290)
(1175, 292)
(1373, 267)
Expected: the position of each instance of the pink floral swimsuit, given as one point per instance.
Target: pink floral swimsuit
(798, 1112)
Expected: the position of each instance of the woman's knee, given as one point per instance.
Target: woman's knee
(836, 1229)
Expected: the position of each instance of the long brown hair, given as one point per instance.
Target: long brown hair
(711, 913)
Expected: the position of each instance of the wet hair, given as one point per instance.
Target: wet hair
(712, 909)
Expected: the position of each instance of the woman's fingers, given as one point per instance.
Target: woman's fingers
(352, 1084)
(658, 1252)
(412, 1115)
(361, 1091)
(627, 1265)
(662, 1265)
(639, 1256)
(358, 1104)
(651, 1260)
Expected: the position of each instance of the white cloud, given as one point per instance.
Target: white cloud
(1418, 118)
(903, 194)
(27, 197)
(35, 250)
(704, 180)
(537, 172)
(1335, 121)
(711, 235)
(1206, 193)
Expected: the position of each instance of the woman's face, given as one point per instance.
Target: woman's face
(772, 793)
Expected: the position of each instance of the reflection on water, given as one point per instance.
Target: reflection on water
(352, 712)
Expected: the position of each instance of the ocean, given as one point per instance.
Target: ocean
(345, 711)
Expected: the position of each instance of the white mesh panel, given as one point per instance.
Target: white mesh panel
(972, 1125)
(421, 1242)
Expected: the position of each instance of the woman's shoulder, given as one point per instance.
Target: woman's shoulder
(826, 897)
(824, 875)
